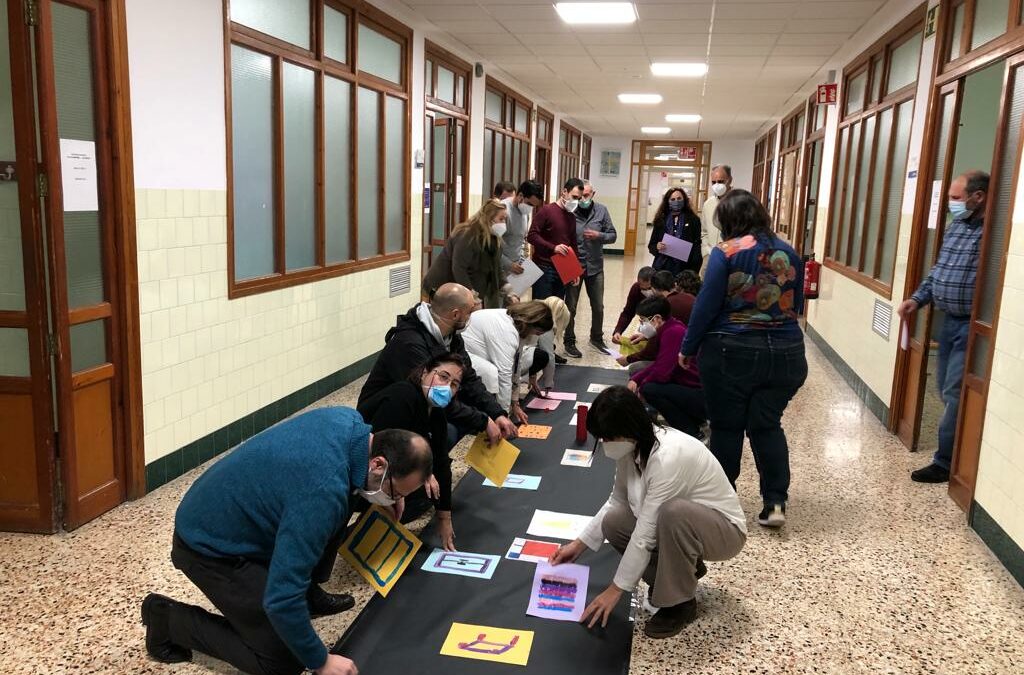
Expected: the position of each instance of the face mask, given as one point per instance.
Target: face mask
(571, 204)
(718, 189)
(525, 209)
(957, 209)
(378, 496)
(648, 330)
(585, 203)
(676, 206)
(618, 449)
(647, 292)
(499, 229)
(440, 395)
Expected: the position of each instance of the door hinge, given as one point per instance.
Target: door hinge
(32, 12)
(51, 344)
(43, 185)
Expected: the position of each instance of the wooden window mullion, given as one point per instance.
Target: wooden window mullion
(382, 143)
(320, 205)
(278, 182)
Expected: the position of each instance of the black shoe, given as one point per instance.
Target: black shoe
(322, 603)
(571, 350)
(669, 621)
(600, 346)
(158, 641)
(772, 515)
(933, 473)
(561, 360)
(702, 569)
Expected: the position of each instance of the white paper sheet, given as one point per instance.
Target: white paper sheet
(904, 337)
(78, 175)
(933, 209)
(557, 525)
(521, 283)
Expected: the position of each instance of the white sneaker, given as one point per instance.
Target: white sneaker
(772, 516)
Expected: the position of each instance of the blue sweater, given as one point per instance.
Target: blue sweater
(278, 499)
(750, 284)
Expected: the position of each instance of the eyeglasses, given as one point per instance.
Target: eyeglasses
(447, 378)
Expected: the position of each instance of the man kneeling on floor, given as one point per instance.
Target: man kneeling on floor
(253, 531)
(671, 508)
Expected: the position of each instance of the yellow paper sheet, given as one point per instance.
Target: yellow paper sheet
(379, 549)
(493, 462)
(626, 347)
(488, 644)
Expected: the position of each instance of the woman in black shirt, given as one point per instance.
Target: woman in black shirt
(675, 217)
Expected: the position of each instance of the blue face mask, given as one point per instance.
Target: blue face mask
(440, 395)
(676, 206)
(957, 209)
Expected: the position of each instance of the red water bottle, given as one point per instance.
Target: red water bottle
(581, 424)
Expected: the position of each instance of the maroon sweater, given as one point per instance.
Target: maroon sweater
(682, 307)
(552, 225)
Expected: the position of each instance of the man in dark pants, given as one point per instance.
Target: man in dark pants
(594, 229)
(950, 287)
(553, 232)
(251, 531)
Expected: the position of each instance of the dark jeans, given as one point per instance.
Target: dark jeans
(682, 407)
(748, 381)
(595, 291)
(243, 636)
(549, 284)
(949, 376)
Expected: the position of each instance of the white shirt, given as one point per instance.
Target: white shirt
(711, 233)
(491, 335)
(679, 466)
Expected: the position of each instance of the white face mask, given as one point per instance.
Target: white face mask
(378, 496)
(525, 209)
(499, 229)
(571, 204)
(647, 292)
(718, 189)
(616, 450)
(648, 330)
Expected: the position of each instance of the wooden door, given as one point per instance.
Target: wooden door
(437, 212)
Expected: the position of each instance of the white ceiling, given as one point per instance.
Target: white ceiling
(759, 53)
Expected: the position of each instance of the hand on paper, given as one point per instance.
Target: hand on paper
(906, 308)
(432, 489)
(661, 246)
(508, 429)
(337, 665)
(445, 530)
(576, 282)
(631, 385)
(516, 268)
(568, 553)
(601, 607)
(493, 432)
(636, 338)
(535, 388)
(616, 337)
(562, 249)
(622, 361)
(518, 415)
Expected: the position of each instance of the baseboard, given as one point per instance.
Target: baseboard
(169, 467)
(1002, 546)
(878, 408)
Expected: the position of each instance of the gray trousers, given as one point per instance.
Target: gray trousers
(686, 531)
(637, 366)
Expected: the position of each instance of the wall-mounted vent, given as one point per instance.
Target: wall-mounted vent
(399, 280)
(881, 319)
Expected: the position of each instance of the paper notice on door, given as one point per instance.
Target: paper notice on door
(78, 175)
(933, 209)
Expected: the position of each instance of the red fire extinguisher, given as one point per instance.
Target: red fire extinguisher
(812, 273)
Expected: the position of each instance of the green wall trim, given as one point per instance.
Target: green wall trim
(859, 386)
(169, 467)
(1002, 546)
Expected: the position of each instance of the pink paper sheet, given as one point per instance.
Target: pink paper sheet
(561, 395)
(676, 248)
(542, 404)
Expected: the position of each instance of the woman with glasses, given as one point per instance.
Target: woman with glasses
(418, 404)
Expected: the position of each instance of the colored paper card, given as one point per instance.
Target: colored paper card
(379, 549)
(557, 525)
(538, 431)
(495, 461)
(531, 550)
(568, 266)
(542, 404)
(501, 645)
(520, 283)
(559, 592)
(582, 458)
(561, 395)
(597, 388)
(464, 564)
(626, 347)
(676, 248)
(517, 482)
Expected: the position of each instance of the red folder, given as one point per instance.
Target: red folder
(567, 266)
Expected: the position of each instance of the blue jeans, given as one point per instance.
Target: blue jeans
(949, 376)
(549, 284)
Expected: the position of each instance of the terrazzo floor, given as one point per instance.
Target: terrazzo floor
(872, 573)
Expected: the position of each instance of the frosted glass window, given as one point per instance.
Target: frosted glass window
(299, 162)
(894, 209)
(369, 179)
(488, 164)
(338, 169)
(286, 20)
(88, 345)
(460, 91)
(955, 46)
(876, 80)
(989, 20)
(863, 179)
(875, 217)
(492, 106)
(428, 83)
(836, 203)
(903, 66)
(445, 85)
(856, 132)
(335, 34)
(14, 361)
(855, 93)
(252, 162)
(12, 274)
(395, 159)
(379, 55)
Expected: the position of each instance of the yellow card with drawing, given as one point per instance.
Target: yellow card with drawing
(486, 643)
(379, 549)
(493, 462)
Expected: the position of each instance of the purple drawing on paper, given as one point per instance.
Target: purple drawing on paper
(482, 646)
(560, 592)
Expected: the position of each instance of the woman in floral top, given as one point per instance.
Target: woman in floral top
(749, 346)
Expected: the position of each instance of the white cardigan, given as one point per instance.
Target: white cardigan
(679, 466)
(491, 335)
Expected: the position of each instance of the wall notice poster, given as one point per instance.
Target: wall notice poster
(688, 153)
(611, 162)
(936, 203)
(78, 175)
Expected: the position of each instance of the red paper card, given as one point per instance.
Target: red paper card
(567, 266)
(539, 548)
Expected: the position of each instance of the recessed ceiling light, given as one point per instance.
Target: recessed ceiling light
(655, 130)
(596, 12)
(640, 98)
(679, 69)
(686, 119)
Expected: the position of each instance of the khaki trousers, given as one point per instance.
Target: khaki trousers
(686, 531)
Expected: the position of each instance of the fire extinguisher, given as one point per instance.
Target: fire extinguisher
(812, 273)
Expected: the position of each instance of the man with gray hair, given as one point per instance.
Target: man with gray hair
(711, 233)
(594, 229)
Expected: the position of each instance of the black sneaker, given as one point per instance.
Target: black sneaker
(600, 346)
(158, 640)
(669, 621)
(571, 350)
(322, 603)
(772, 515)
(933, 473)
(560, 360)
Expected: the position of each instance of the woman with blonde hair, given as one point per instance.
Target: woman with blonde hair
(472, 257)
(546, 342)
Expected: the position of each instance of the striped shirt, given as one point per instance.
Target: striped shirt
(950, 283)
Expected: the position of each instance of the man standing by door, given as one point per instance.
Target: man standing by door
(950, 287)
(711, 234)
(553, 232)
(594, 229)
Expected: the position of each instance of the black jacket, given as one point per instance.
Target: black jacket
(408, 346)
(690, 232)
